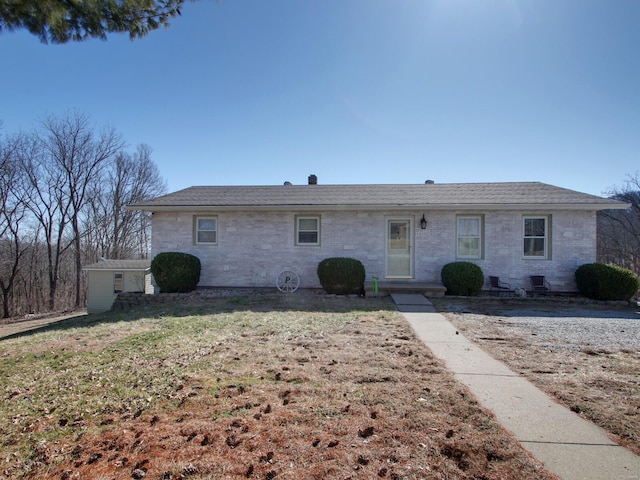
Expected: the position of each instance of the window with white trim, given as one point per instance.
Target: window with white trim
(469, 235)
(118, 282)
(536, 237)
(206, 230)
(308, 230)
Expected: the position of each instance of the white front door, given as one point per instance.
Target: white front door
(399, 248)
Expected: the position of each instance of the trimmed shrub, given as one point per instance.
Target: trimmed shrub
(341, 275)
(606, 282)
(462, 278)
(176, 272)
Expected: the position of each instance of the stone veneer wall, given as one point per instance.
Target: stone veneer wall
(127, 300)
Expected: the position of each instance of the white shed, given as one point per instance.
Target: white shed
(107, 278)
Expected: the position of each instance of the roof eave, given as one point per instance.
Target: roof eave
(374, 207)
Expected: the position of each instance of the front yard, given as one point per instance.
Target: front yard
(269, 387)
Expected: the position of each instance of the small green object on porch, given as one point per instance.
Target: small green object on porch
(374, 281)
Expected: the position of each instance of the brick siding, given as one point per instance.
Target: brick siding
(254, 247)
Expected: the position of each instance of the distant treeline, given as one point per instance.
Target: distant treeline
(64, 187)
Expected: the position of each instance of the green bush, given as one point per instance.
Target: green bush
(341, 276)
(606, 282)
(176, 272)
(462, 278)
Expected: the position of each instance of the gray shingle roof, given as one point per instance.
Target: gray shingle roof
(120, 265)
(434, 196)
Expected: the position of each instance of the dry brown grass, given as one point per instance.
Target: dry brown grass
(282, 387)
(602, 385)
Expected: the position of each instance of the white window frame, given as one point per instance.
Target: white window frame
(480, 236)
(546, 253)
(299, 230)
(197, 230)
(118, 281)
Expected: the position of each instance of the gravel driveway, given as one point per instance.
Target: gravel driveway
(558, 325)
(586, 355)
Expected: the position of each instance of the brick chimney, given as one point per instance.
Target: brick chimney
(313, 180)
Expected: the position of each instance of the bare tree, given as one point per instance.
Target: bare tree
(12, 214)
(115, 231)
(64, 188)
(31, 290)
(45, 197)
(619, 230)
(78, 156)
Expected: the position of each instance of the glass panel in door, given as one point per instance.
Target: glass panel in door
(399, 249)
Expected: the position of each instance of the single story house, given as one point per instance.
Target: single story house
(245, 235)
(107, 278)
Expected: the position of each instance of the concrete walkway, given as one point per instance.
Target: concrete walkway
(568, 445)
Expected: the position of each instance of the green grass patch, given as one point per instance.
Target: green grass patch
(247, 387)
(61, 380)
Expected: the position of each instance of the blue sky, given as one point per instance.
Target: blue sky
(258, 92)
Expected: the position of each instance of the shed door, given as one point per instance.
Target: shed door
(399, 248)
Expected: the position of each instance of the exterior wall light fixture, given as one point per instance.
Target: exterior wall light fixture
(423, 223)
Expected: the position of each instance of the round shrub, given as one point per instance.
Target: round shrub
(462, 278)
(606, 282)
(341, 276)
(176, 272)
